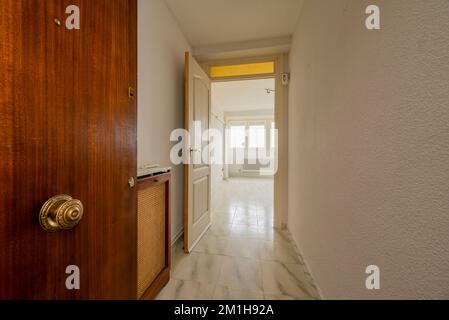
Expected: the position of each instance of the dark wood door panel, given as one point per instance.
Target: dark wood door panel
(67, 126)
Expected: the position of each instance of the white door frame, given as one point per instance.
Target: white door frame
(280, 118)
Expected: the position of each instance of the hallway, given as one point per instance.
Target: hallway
(241, 257)
(296, 149)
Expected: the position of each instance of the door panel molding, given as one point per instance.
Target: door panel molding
(197, 176)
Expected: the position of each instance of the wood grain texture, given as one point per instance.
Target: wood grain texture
(67, 126)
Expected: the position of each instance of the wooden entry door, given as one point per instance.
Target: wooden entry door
(68, 126)
(197, 218)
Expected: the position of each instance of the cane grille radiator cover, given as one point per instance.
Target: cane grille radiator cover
(151, 235)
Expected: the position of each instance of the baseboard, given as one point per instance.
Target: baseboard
(320, 293)
(199, 238)
(178, 235)
(158, 284)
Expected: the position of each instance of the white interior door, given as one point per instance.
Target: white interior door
(197, 217)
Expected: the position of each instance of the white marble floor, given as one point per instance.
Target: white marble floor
(242, 256)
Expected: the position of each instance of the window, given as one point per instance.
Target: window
(273, 135)
(238, 136)
(242, 70)
(257, 136)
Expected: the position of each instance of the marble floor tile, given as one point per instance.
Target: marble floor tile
(265, 216)
(223, 207)
(245, 231)
(212, 245)
(222, 218)
(219, 230)
(287, 280)
(246, 249)
(186, 290)
(274, 297)
(248, 219)
(263, 221)
(273, 234)
(265, 211)
(247, 209)
(241, 273)
(198, 267)
(225, 293)
(277, 251)
(242, 256)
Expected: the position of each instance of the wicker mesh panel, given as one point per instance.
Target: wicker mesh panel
(151, 236)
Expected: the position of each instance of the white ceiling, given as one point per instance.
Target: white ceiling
(248, 95)
(213, 22)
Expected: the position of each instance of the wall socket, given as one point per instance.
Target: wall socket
(285, 79)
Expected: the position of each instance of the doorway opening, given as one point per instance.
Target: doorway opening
(243, 111)
(233, 248)
(234, 141)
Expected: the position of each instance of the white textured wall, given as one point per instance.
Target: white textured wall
(369, 147)
(243, 95)
(161, 48)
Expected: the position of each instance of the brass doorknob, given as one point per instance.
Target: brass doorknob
(60, 213)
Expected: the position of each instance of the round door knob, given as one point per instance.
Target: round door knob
(60, 213)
